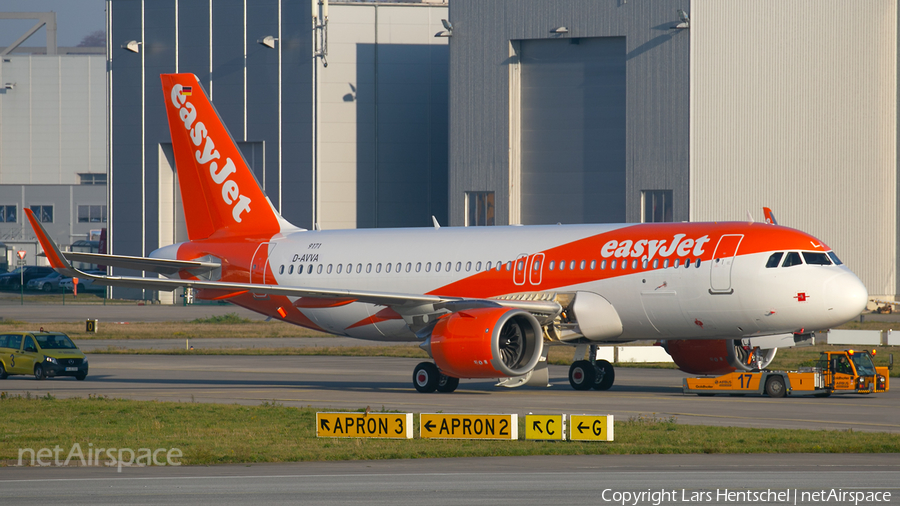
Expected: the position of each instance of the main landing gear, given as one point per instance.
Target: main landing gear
(427, 378)
(587, 374)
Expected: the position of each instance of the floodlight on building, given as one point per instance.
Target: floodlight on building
(268, 41)
(133, 46)
(685, 20)
(560, 30)
(445, 33)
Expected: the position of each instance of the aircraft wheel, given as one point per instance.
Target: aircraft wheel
(582, 375)
(606, 375)
(447, 384)
(775, 386)
(3, 373)
(39, 372)
(426, 377)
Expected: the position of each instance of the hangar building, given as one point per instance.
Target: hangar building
(525, 111)
(627, 111)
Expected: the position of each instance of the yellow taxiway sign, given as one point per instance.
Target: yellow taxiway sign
(376, 425)
(591, 427)
(468, 426)
(545, 427)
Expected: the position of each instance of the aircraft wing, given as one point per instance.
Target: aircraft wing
(160, 265)
(60, 262)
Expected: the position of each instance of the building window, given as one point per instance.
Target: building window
(479, 209)
(91, 214)
(8, 214)
(92, 179)
(657, 206)
(44, 214)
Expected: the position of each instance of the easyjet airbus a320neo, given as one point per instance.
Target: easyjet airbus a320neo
(486, 302)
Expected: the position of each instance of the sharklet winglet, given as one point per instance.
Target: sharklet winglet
(54, 255)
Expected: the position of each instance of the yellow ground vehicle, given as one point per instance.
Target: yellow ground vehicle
(845, 371)
(43, 354)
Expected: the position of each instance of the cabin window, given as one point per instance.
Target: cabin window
(634, 264)
(581, 265)
(792, 259)
(468, 266)
(552, 264)
(387, 267)
(399, 265)
(666, 263)
(358, 268)
(319, 269)
(418, 266)
(478, 267)
(687, 263)
(572, 265)
(340, 267)
(655, 263)
(562, 265)
(437, 267)
(328, 270)
(509, 265)
(815, 258)
(408, 266)
(281, 270)
(613, 264)
(291, 269)
(698, 263)
(458, 266)
(378, 268)
(603, 265)
(447, 267)
(593, 264)
(487, 267)
(644, 263)
(368, 268)
(774, 260)
(428, 267)
(309, 269)
(300, 269)
(349, 268)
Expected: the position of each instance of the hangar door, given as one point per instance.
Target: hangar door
(572, 130)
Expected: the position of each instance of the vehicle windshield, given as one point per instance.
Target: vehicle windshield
(863, 363)
(55, 342)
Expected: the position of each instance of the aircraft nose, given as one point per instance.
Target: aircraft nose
(846, 297)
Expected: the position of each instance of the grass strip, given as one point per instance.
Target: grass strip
(219, 434)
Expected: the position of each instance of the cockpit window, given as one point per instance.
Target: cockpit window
(774, 260)
(834, 258)
(791, 259)
(813, 258)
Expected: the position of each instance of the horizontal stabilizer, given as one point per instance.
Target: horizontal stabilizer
(158, 265)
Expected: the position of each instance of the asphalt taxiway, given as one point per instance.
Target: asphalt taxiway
(520, 481)
(385, 382)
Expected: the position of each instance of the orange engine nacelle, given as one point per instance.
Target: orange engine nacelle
(714, 356)
(494, 342)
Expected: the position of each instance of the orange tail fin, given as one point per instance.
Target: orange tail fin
(219, 192)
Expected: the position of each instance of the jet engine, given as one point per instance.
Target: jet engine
(492, 342)
(715, 357)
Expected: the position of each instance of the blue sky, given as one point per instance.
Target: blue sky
(74, 20)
